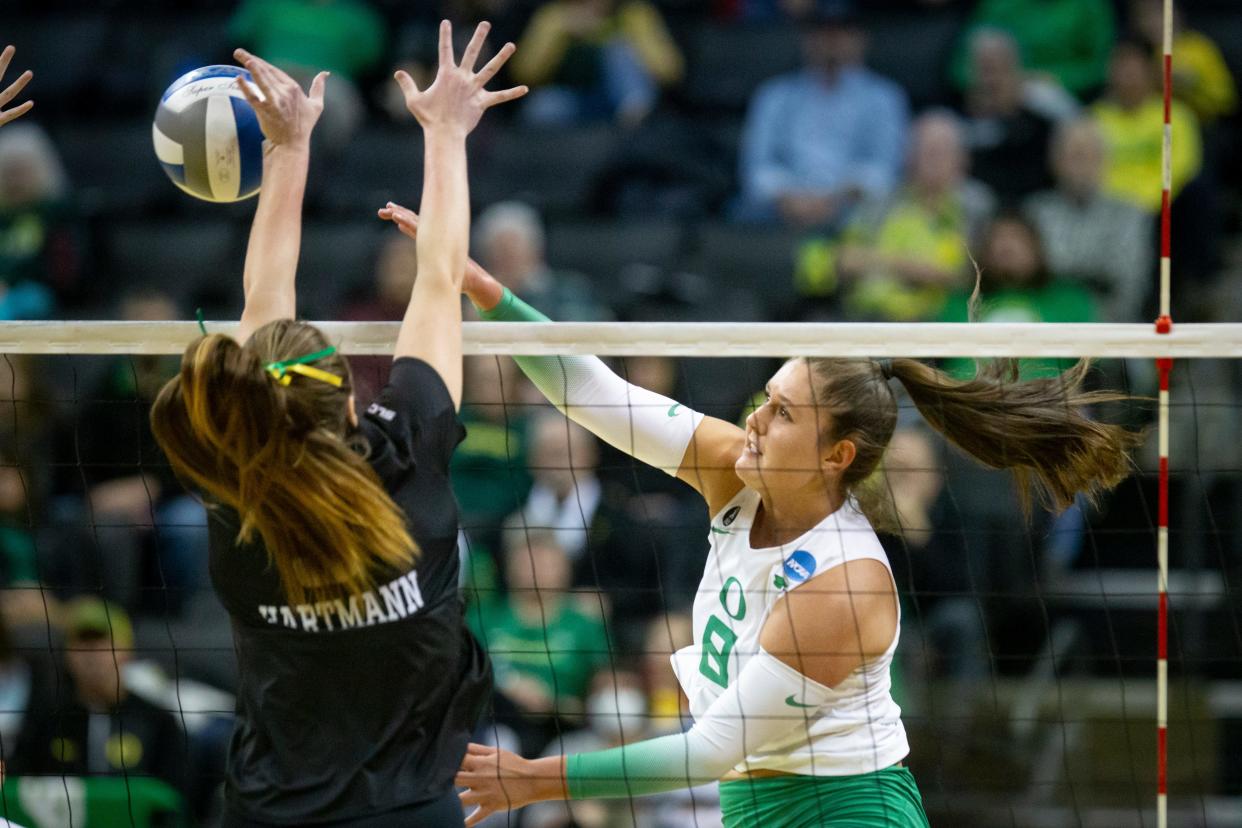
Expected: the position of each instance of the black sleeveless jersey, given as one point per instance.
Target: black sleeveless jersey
(355, 706)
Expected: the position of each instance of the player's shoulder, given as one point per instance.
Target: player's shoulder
(846, 533)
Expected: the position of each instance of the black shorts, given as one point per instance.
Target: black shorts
(444, 812)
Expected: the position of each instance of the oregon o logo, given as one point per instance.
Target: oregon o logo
(728, 592)
(800, 566)
(731, 515)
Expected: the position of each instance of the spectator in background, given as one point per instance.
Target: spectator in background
(822, 139)
(616, 715)
(668, 711)
(589, 60)
(930, 555)
(1068, 40)
(1131, 119)
(941, 571)
(1201, 78)
(489, 468)
(510, 239)
(304, 37)
(23, 601)
(27, 423)
(544, 645)
(119, 490)
(566, 492)
(396, 270)
(1092, 238)
(102, 728)
(901, 257)
(1017, 287)
(24, 682)
(1007, 129)
(38, 255)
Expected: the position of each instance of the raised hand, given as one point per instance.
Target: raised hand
(456, 99)
(7, 115)
(286, 114)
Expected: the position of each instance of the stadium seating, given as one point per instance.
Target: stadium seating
(196, 262)
(551, 168)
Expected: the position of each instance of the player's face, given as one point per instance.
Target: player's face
(782, 450)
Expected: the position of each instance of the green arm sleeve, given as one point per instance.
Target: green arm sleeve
(549, 374)
(648, 767)
(641, 423)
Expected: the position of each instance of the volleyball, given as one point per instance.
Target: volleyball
(207, 137)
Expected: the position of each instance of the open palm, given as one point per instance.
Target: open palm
(456, 98)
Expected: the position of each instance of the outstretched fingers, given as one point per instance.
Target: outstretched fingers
(471, 55)
(15, 87)
(408, 87)
(405, 219)
(317, 87)
(252, 94)
(263, 74)
(490, 99)
(498, 60)
(446, 45)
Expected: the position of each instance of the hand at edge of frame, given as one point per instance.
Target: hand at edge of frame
(11, 92)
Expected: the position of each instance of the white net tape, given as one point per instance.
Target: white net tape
(681, 339)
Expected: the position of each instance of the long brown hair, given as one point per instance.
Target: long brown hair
(1036, 428)
(279, 456)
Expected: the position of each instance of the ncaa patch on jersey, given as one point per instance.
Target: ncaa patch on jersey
(799, 566)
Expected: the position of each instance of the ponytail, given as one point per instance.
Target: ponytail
(275, 453)
(1037, 428)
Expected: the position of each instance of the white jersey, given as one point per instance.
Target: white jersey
(859, 729)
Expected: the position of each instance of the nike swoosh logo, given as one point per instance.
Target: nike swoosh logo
(672, 410)
(722, 531)
(792, 702)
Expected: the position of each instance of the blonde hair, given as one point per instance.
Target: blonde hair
(277, 454)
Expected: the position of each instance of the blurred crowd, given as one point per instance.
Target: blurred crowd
(742, 160)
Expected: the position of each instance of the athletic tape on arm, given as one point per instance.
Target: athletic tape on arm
(643, 424)
(769, 701)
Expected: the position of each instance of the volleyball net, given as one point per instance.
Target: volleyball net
(1026, 671)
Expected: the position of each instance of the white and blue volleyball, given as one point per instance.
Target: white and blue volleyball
(207, 137)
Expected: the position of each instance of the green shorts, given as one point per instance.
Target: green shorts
(888, 798)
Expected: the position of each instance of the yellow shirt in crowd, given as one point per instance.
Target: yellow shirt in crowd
(1135, 138)
(1201, 77)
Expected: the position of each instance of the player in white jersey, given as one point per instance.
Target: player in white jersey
(797, 616)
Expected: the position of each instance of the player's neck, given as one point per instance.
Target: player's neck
(780, 520)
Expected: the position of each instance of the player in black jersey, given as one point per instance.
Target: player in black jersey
(333, 537)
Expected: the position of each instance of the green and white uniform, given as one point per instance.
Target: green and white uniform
(857, 729)
(752, 710)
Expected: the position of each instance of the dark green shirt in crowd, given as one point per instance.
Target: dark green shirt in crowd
(560, 651)
(1054, 302)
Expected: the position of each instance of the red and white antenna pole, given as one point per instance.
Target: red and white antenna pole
(1164, 325)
